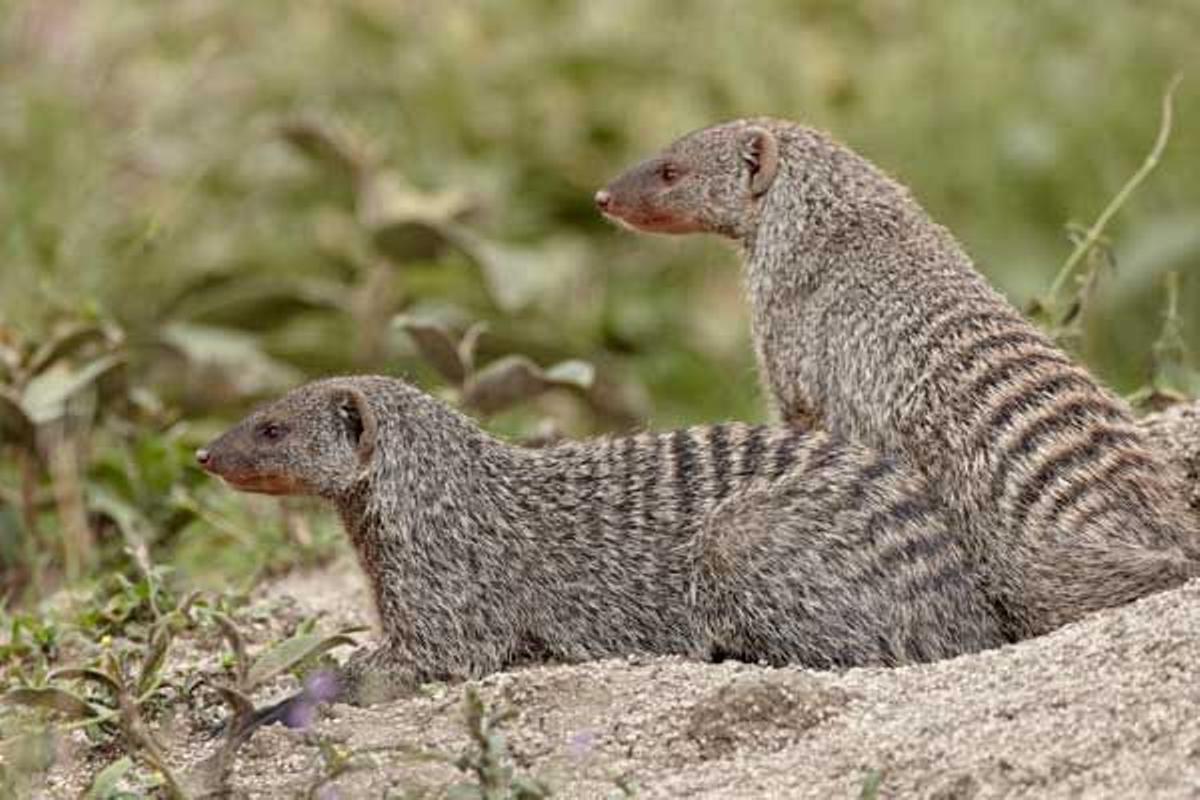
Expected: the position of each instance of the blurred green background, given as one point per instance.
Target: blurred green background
(204, 202)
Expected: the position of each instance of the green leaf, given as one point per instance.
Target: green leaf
(327, 144)
(503, 383)
(86, 674)
(48, 397)
(104, 787)
(436, 345)
(516, 275)
(513, 379)
(572, 373)
(239, 301)
(290, 652)
(52, 699)
(156, 653)
(231, 357)
(69, 342)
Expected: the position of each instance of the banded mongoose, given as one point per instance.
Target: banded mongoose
(870, 319)
(750, 542)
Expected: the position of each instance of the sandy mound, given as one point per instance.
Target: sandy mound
(1109, 707)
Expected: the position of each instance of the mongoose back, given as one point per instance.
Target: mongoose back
(752, 542)
(871, 320)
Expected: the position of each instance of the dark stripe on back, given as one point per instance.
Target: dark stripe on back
(752, 450)
(718, 445)
(922, 544)
(1080, 454)
(963, 359)
(785, 453)
(1072, 416)
(936, 335)
(955, 324)
(1026, 399)
(870, 476)
(1002, 371)
(824, 456)
(1126, 461)
(629, 480)
(683, 449)
(650, 481)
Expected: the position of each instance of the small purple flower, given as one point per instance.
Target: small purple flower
(322, 686)
(326, 792)
(581, 743)
(300, 712)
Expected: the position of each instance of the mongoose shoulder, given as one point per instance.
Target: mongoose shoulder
(870, 318)
(753, 542)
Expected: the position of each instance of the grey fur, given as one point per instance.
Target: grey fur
(741, 541)
(869, 319)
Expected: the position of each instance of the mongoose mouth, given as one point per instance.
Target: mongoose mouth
(249, 480)
(260, 483)
(639, 218)
(651, 222)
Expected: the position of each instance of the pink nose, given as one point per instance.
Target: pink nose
(202, 456)
(603, 199)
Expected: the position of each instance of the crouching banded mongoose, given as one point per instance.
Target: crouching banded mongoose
(871, 320)
(749, 542)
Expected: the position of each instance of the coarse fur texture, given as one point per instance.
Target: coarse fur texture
(870, 320)
(751, 542)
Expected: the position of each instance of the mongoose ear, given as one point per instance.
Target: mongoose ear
(760, 154)
(355, 412)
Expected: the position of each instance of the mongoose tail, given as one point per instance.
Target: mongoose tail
(482, 555)
(870, 318)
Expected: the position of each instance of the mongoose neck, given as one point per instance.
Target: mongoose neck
(446, 480)
(826, 202)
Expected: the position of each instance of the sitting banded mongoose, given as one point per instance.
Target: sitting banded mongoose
(869, 319)
(749, 542)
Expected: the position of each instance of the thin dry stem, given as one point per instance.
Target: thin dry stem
(1092, 237)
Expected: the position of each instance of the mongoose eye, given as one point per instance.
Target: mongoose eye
(271, 431)
(669, 173)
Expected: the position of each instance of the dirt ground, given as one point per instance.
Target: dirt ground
(1108, 707)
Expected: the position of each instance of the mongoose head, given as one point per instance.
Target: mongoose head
(315, 440)
(709, 181)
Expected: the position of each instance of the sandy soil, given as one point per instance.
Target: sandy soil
(1108, 707)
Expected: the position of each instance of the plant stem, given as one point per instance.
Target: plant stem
(1085, 245)
(29, 515)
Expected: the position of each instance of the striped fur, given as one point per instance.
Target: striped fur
(870, 318)
(760, 543)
